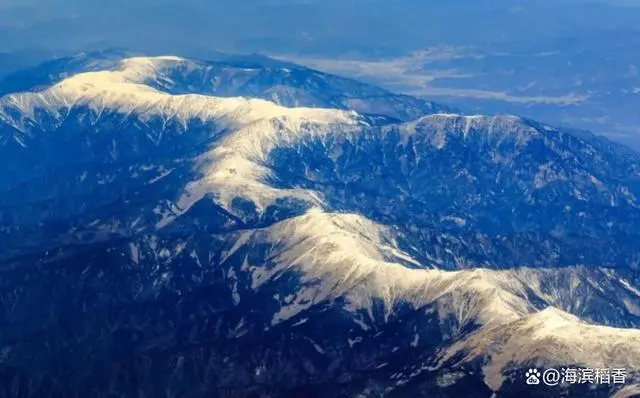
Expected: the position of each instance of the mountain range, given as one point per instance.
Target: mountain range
(251, 228)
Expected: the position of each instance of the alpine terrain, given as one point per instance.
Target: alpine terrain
(249, 228)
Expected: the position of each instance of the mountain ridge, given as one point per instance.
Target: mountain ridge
(246, 70)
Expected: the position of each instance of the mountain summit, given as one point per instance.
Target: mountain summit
(172, 227)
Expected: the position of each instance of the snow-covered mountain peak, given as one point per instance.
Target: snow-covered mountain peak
(347, 255)
(125, 90)
(554, 318)
(550, 337)
(151, 69)
(256, 126)
(486, 128)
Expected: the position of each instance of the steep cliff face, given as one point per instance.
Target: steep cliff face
(173, 227)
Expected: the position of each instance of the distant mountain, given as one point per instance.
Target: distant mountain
(171, 227)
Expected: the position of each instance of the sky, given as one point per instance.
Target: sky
(329, 27)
